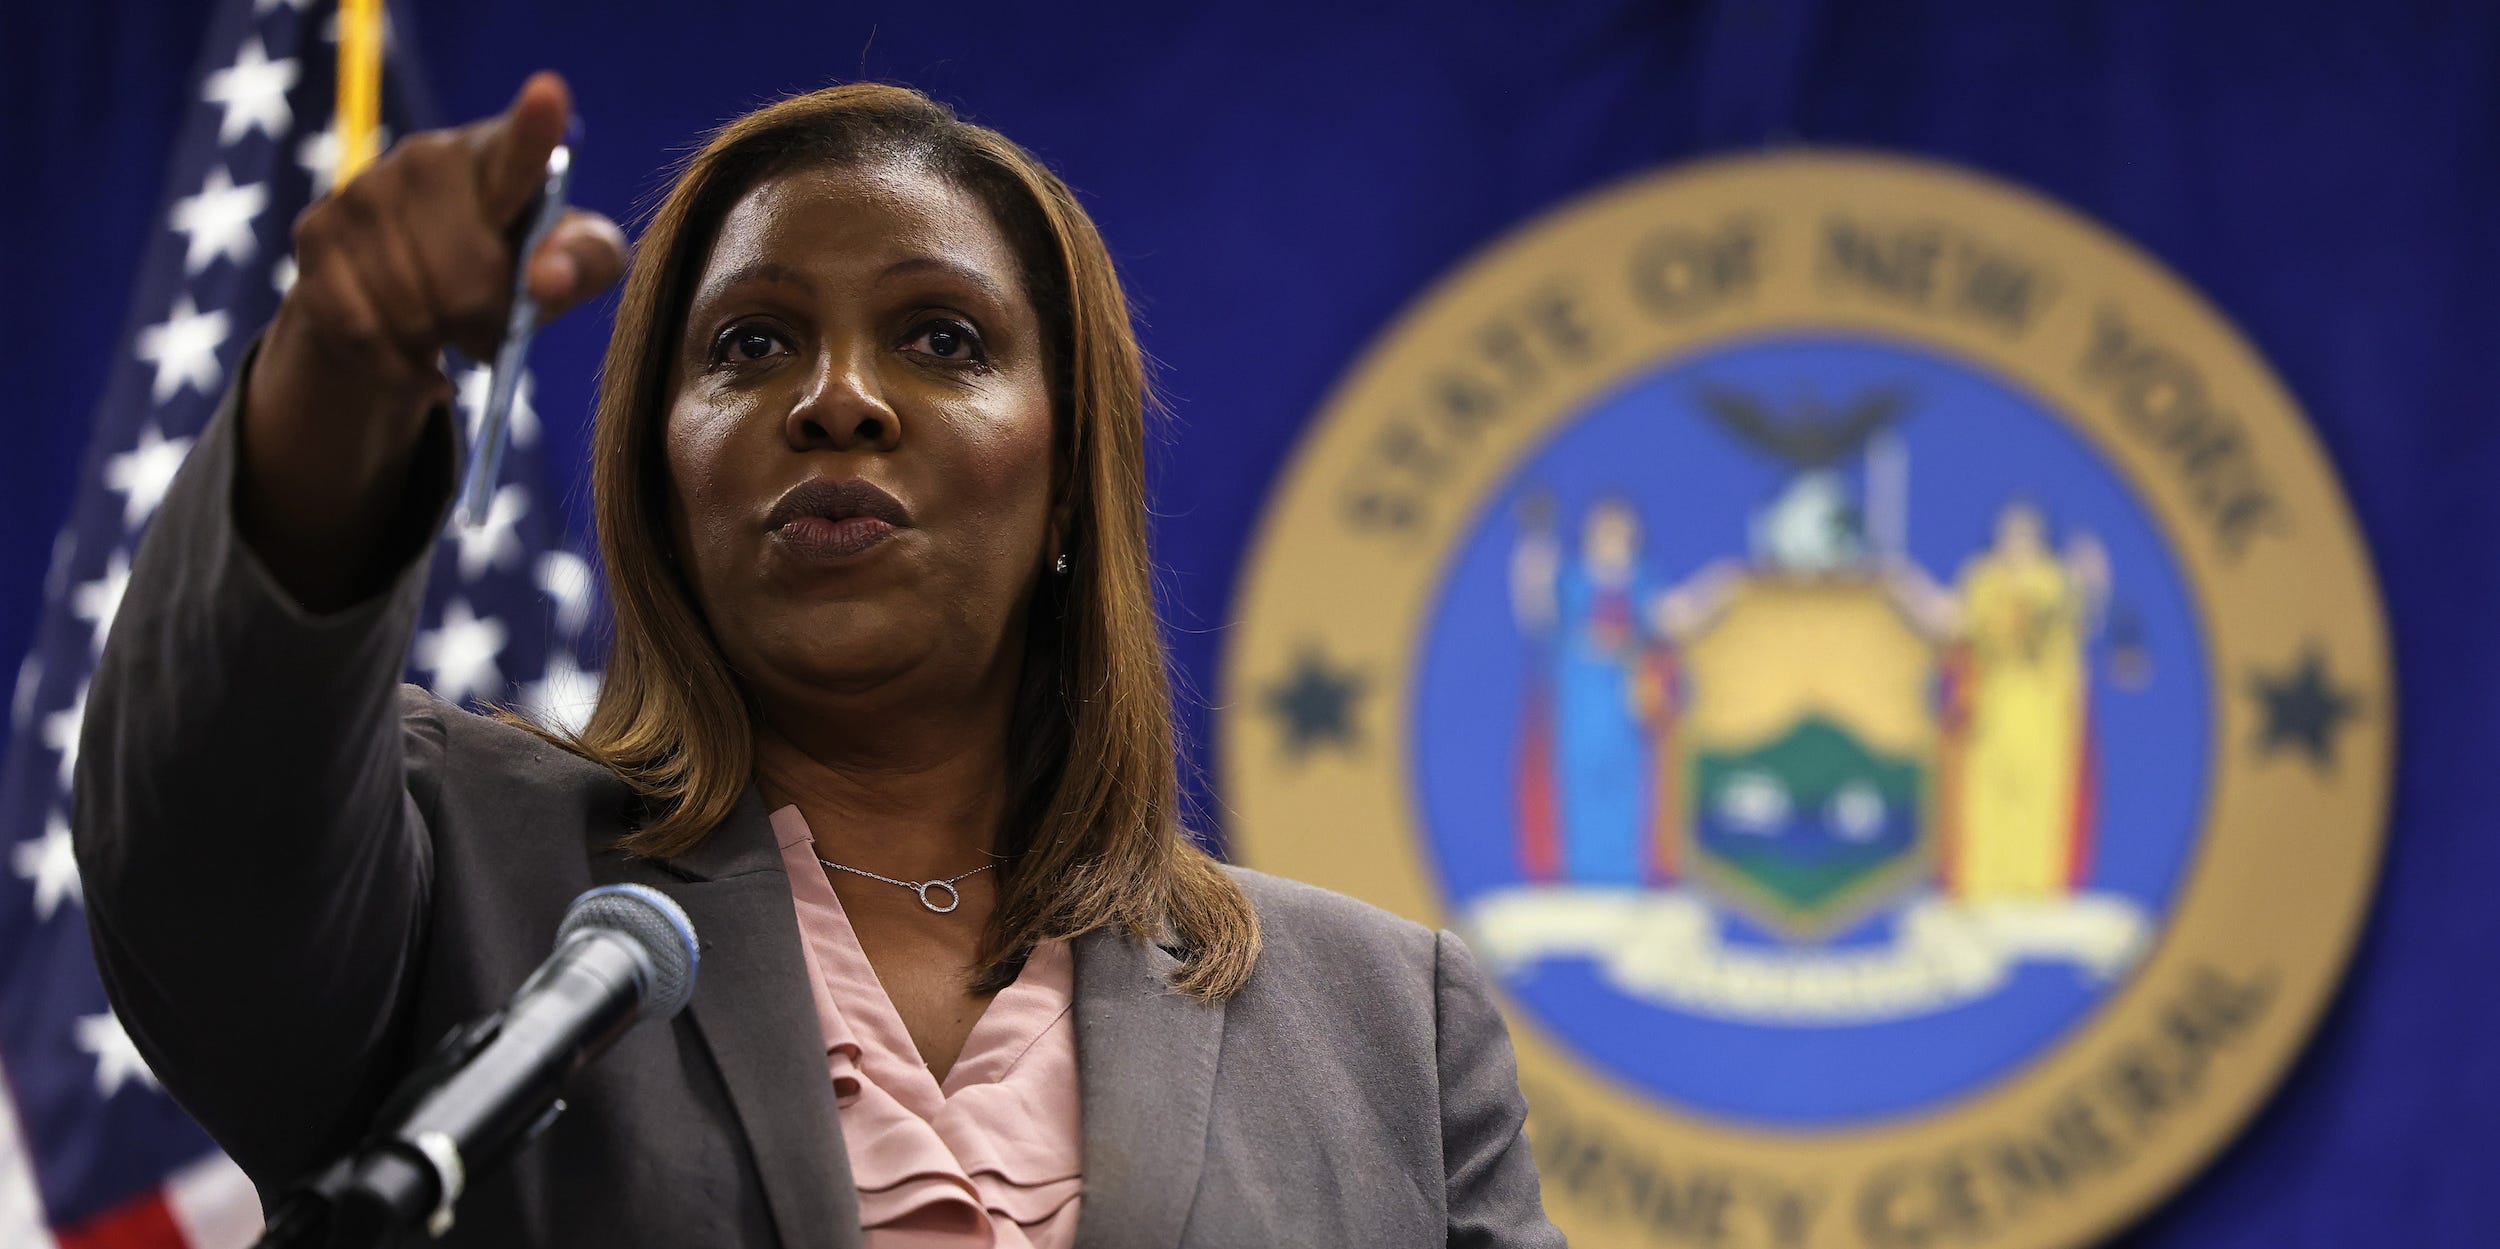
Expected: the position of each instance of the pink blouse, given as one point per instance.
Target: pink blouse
(989, 1158)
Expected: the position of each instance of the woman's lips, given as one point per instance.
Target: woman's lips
(818, 540)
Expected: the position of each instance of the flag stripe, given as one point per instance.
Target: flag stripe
(21, 1203)
(213, 1202)
(144, 1222)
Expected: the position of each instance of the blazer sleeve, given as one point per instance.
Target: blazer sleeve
(1492, 1182)
(255, 861)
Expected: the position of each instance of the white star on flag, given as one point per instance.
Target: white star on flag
(96, 601)
(476, 383)
(252, 93)
(461, 654)
(141, 474)
(565, 577)
(183, 347)
(318, 154)
(218, 221)
(494, 543)
(50, 863)
(564, 697)
(282, 275)
(60, 732)
(117, 1060)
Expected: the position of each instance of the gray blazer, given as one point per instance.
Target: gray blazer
(301, 873)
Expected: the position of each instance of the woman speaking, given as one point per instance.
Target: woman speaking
(885, 713)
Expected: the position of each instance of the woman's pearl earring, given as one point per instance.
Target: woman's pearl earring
(1060, 565)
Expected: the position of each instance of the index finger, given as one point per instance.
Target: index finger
(512, 147)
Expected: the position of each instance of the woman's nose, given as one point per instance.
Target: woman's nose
(843, 408)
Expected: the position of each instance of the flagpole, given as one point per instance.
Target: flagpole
(359, 85)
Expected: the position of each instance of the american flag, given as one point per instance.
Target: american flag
(92, 1152)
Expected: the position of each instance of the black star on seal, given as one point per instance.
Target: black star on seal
(1315, 706)
(2303, 709)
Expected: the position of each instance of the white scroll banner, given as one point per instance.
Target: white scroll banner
(1666, 946)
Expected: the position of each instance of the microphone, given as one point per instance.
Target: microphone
(623, 953)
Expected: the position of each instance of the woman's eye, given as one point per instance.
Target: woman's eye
(744, 344)
(947, 340)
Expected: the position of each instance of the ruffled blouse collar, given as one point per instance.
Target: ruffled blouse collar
(993, 1153)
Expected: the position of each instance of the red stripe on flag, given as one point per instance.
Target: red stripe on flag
(144, 1222)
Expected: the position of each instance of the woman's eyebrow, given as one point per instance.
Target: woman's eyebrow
(965, 273)
(763, 271)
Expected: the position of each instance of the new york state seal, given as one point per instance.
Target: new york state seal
(1880, 672)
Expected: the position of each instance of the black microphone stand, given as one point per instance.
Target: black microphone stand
(492, 1086)
(389, 1185)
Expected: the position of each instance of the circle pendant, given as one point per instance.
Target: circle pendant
(953, 899)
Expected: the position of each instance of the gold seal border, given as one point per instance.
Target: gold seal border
(2261, 925)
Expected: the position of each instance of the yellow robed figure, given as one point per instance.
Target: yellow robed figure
(2017, 779)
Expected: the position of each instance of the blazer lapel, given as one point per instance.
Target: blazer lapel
(753, 1010)
(1146, 1056)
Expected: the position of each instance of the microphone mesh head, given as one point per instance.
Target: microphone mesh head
(650, 919)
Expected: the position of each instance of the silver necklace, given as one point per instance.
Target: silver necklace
(922, 887)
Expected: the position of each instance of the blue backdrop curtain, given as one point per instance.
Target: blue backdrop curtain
(1279, 181)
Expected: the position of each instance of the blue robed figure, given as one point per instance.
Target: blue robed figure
(1598, 656)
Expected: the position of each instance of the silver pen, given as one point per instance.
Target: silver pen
(477, 489)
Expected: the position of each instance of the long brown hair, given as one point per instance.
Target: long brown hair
(1095, 825)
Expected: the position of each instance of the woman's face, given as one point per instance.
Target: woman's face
(859, 437)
